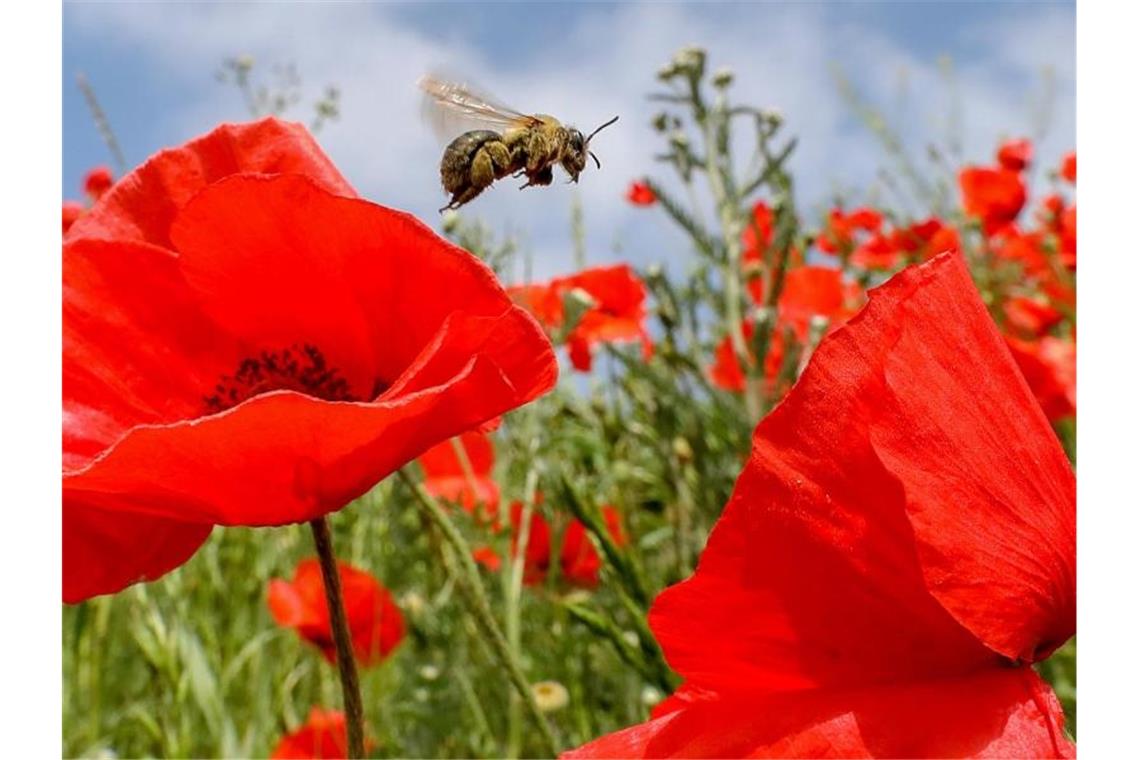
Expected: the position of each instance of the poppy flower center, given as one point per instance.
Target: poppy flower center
(301, 367)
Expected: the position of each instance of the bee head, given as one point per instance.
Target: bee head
(577, 148)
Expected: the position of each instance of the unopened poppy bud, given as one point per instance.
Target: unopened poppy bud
(450, 222)
(650, 696)
(682, 450)
(550, 696)
(575, 303)
(413, 603)
(577, 596)
(723, 77)
(692, 58)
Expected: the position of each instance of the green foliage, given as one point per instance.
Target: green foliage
(194, 666)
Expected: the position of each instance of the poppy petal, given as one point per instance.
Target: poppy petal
(820, 534)
(143, 204)
(994, 713)
(284, 457)
(972, 449)
(105, 551)
(136, 349)
(359, 281)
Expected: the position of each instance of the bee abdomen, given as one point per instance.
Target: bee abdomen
(459, 157)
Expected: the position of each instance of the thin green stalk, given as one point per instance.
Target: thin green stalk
(513, 603)
(468, 577)
(728, 210)
(102, 123)
(468, 471)
(345, 661)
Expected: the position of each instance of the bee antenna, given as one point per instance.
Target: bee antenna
(596, 161)
(599, 129)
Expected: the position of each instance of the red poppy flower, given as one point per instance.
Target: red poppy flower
(995, 196)
(1030, 316)
(247, 343)
(877, 252)
(617, 314)
(446, 478)
(808, 292)
(579, 556)
(1068, 169)
(640, 194)
(1015, 155)
(1067, 234)
(1028, 248)
(487, 557)
(324, 736)
(892, 561)
(1052, 206)
(757, 235)
(1050, 367)
(926, 239)
(537, 558)
(374, 620)
(97, 181)
(840, 234)
(72, 210)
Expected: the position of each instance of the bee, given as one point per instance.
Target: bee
(523, 144)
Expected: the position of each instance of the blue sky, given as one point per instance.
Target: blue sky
(153, 68)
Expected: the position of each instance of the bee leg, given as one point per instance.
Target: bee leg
(482, 169)
(539, 178)
(500, 158)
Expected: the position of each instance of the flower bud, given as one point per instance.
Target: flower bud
(450, 222)
(682, 450)
(550, 696)
(723, 77)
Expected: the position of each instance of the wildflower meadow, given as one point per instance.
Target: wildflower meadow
(344, 481)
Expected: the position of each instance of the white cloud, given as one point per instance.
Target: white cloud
(603, 65)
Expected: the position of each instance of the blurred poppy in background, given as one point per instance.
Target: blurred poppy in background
(994, 196)
(640, 194)
(578, 558)
(246, 342)
(374, 620)
(97, 181)
(324, 736)
(1015, 155)
(469, 483)
(840, 235)
(809, 292)
(1068, 170)
(610, 301)
(1050, 367)
(898, 552)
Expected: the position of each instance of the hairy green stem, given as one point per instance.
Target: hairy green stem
(514, 582)
(345, 661)
(468, 577)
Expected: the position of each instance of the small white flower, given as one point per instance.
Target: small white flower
(650, 696)
(550, 695)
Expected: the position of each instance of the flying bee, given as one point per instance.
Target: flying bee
(523, 144)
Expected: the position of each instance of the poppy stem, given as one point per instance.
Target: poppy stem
(345, 661)
(470, 582)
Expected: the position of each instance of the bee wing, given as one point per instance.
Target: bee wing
(451, 108)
